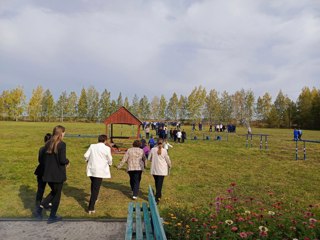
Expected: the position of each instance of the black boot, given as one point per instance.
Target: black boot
(38, 213)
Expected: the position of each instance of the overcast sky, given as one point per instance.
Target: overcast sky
(151, 47)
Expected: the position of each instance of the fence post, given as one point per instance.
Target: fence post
(247, 141)
(266, 141)
(296, 149)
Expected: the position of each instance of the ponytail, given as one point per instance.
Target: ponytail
(159, 147)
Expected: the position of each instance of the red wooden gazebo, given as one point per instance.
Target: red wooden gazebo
(122, 116)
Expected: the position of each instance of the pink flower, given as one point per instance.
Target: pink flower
(218, 207)
(234, 229)
(311, 226)
(293, 228)
(229, 207)
(194, 220)
(263, 234)
(312, 220)
(243, 235)
(230, 190)
(309, 214)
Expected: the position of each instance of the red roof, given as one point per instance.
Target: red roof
(122, 116)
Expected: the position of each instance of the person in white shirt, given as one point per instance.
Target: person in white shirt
(179, 135)
(98, 158)
(160, 164)
(166, 145)
(147, 130)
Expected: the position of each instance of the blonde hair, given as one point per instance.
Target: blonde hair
(57, 135)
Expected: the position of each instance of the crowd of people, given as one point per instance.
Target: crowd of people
(52, 159)
(162, 131)
(214, 127)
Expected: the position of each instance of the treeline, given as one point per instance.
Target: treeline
(241, 107)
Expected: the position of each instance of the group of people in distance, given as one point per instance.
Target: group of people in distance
(217, 128)
(162, 131)
(53, 162)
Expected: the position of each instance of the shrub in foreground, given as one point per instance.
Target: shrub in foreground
(237, 217)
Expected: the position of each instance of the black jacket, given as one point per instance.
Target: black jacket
(40, 168)
(55, 165)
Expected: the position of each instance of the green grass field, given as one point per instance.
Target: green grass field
(202, 170)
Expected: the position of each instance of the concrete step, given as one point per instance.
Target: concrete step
(68, 229)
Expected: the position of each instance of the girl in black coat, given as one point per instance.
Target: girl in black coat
(55, 162)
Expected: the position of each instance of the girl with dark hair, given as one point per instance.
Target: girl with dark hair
(55, 162)
(136, 160)
(160, 165)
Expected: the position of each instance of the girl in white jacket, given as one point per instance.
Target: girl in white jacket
(98, 158)
(160, 164)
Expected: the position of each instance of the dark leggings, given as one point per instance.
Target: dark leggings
(40, 191)
(53, 197)
(158, 180)
(135, 178)
(95, 188)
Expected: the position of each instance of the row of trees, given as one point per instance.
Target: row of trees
(240, 107)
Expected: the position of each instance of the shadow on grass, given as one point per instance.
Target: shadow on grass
(124, 189)
(77, 193)
(28, 197)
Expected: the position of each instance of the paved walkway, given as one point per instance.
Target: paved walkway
(27, 229)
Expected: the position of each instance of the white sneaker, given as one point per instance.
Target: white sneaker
(91, 212)
(134, 197)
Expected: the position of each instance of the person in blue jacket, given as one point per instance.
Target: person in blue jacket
(151, 142)
(295, 134)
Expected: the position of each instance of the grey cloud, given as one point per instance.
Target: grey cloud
(136, 46)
